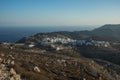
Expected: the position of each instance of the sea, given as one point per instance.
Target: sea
(13, 34)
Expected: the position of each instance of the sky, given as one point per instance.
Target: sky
(59, 12)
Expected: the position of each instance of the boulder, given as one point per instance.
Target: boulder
(12, 62)
(12, 71)
(36, 69)
(16, 77)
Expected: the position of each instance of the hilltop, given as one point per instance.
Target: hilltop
(107, 32)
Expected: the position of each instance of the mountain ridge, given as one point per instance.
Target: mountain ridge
(107, 32)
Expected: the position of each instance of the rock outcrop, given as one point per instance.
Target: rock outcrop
(7, 72)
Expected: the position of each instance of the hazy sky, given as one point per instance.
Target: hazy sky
(59, 12)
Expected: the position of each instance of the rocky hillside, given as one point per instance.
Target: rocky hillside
(36, 64)
(7, 72)
(108, 54)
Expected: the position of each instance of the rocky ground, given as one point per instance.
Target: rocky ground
(35, 64)
(7, 72)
